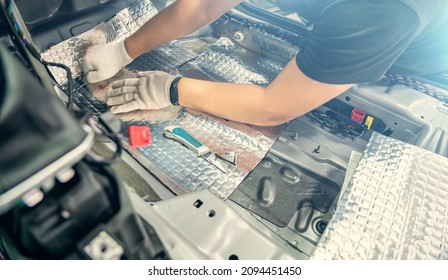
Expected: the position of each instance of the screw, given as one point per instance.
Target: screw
(65, 214)
(296, 136)
(317, 150)
(238, 36)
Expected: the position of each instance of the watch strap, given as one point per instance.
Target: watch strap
(174, 94)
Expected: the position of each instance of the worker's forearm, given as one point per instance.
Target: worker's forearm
(238, 102)
(177, 20)
(290, 95)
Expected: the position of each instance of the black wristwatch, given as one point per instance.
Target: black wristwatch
(174, 94)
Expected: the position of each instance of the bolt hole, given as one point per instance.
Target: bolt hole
(347, 98)
(321, 225)
(395, 123)
(233, 257)
(198, 203)
(211, 213)
(422, 117)
(103, 248)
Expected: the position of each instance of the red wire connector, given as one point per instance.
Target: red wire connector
(357, 115)
(139, 136)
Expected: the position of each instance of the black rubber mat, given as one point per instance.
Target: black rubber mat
(276, 189)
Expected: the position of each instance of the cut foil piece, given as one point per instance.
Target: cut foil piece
(178, 168)
(72, 51)
(395, 206)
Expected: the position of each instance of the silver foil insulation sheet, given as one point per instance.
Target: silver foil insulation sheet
(395, 206)
(177, 167)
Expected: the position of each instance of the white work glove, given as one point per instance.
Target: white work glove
(104, 61)
(149, 91)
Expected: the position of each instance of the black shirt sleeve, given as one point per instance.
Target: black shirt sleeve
(357, 41)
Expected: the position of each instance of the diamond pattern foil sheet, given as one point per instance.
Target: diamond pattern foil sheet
(225, 61)
(71, 51)
(173, 164)
(395, 206)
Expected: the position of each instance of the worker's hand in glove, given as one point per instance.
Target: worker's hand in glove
(104, 61)
(149, 91)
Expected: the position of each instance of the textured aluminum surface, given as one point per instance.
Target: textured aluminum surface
(182, 171)
(227, 62)
(72, 51)
(223, 61)
(394, 208)
(176, 166)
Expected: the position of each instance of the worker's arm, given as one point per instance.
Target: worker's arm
(177, 20)
(290, 95)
